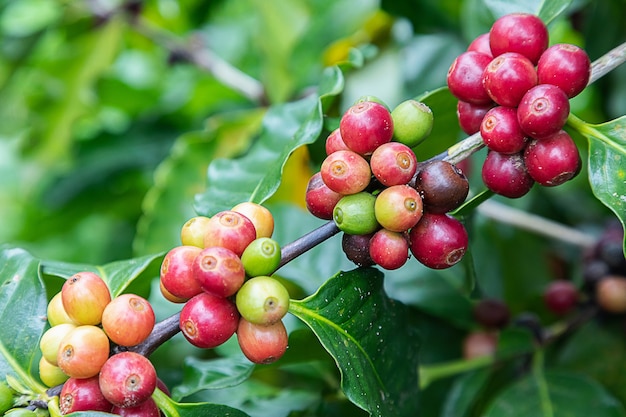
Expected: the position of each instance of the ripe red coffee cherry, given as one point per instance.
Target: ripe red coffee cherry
(334, 142)
(543, 110)
(83, 394)
(128, 320)
(85, 295)
(501, 131)
(262, 300)
(553, 160)
(260, 216)
(355, 214)
(611, 294)
(357, 248)
(83, 351)
(177, 272)
(481, 44)
(470, 116)
(438, 240)
(389, 249)
(491, 313)
(523, 33)
(393, 163)
(207, 321)
(465, 77)
(148, 408)
(566, 66)
(192, 232)
(219, 271)
(480, 343)
(560, 296)
(345, 172)
(442, 186)
(127, 379)
(398, 208)
(262, 344)
(320, 200)
(506, 174)
(412, 122)
(365, 126)
(231, 230)
(508, 77)
(56, 313)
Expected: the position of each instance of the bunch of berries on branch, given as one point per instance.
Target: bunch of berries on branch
(221, 273)
(385, 202)
(515, 91)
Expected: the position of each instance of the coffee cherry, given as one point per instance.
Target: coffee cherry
(442, 186)
(566, 66)
(365, 126)
(393, 163)
(261, 257)
(491, 313)
(207, 321)
(609, 248)
(262, 300)
(219, 271)
(523, 33)
(83, 394)
(553, 160)
(83, 351)
(356, 248)
(51, 339)
(611, 294)
(481, 44)
(334, 142)
(465, 77)
(85, 295)
(506, 174)
(169, 296)
(501, 131)
(192, 232)
(354, 214)
(389, 249)
(231, 230)
(262, 344)
(147, 408)
(508, 77)
(412, 122)
(345, 172)
(398, 208)
(560, 296)
(56, 313)
(470, 116)
(127, 379)
(320, 200)
(543, 110)
(6, 397)
(480, 343)
(438, 240)
(177, 272)
(260, 216)
(128, 319)
(51, 375)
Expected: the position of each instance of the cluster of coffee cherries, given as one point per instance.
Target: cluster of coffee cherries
(77, 349)
(222, 273)
(386, 203)
(515, 91)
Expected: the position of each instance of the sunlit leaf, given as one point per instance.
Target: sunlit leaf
(370, 338)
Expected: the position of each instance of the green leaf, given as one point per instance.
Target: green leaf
(23, 305)
(568, 395)
(173, 409)
(547, 10)
(212, 374)
(256, 176)
(607, 162)
(464, 394)
(118, 275)
(370, 338)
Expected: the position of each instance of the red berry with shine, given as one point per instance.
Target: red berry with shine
(177, 272)
(553, 160)
(320, 200)
(470, 115)
(398, 208)
(506, 174)
(465, 76)
(543, 110)
(481, 44)
(82, 394)
(438, 240)
(207, 321)
(127, 379)
(566, 66)
(334, 142)
(128, 319)
(230, 229)
(501, 131)
(508, 77)
(389, 249)
(346, 172)
(147, 408)
(560, 296)
(262, 344)
(219, 271)
(523, 33)
(365, 126)
(393, 163)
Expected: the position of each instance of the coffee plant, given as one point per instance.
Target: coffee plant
(313, 208)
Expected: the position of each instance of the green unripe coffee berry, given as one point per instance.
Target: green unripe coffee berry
(262, 300)
(412, 122)
(21, 412)
(354, 214)
(261, 257)
(51, 375)
(6, 397)
(51, 339)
